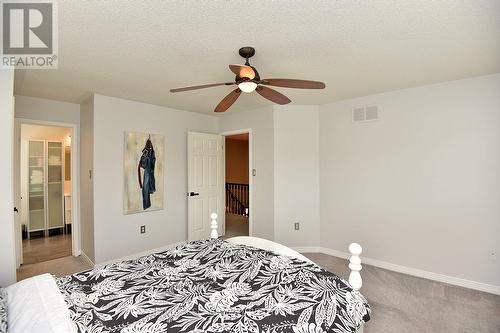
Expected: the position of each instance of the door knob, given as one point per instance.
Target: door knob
(15, 209)
(192, 194)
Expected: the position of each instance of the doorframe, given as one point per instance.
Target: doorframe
(250, 173)
(75, 174)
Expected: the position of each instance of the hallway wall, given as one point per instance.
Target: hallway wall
(236, 161)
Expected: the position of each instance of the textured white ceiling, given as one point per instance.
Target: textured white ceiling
(140, 49)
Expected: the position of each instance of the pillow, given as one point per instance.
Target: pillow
(37, 305)
(3, 310)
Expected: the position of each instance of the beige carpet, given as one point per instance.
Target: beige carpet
(406, 304)
(236, 225)
(58, 267)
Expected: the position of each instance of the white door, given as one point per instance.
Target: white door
(205, 184)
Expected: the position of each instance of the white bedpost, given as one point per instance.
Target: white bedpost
(355, 265)
(213, 226)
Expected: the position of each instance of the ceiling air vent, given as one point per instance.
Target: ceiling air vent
(362, 115)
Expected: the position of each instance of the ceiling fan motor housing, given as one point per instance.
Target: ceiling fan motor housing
(247, 52)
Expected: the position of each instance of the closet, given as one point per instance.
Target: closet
(45, 186)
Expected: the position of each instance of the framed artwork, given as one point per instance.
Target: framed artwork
(144, 169)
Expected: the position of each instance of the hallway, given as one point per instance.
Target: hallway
(237, 197)
(236, 225)
(41, 249)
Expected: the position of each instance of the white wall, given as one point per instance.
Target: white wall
(296, 175)
(86, 181)
(117, 235)
(47, 110)
(7, 250)
(261, 123)
(421, 187)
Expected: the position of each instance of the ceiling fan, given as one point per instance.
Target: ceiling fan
(248, 80)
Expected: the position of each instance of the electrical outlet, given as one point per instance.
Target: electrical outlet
(296, 226)
(143, 229)
(492, 255)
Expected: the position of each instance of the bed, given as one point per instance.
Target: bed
(243, 284)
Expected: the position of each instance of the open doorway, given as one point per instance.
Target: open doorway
(237, 186)
(44, 191)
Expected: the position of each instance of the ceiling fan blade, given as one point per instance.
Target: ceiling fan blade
(243, 71)
(292, 83)
(272, 95)
(228, 100)
(201, 86)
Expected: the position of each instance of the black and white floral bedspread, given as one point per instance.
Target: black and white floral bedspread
(3, 310)
(212, 286)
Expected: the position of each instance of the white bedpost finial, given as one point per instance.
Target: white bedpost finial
(213, 226)
(355, 265)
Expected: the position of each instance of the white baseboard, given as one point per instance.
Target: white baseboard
(307, 249)
(140, 254)
(86, 258)
(488, 288)
(339, 254)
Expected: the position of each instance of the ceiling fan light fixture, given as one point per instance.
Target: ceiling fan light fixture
(247, 71)
(247, 86)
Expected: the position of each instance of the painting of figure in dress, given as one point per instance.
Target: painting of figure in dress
(143, 172)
